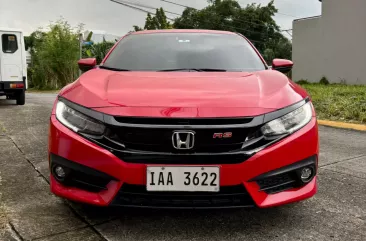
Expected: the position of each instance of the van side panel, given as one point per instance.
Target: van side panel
(24, 60)
(12, 56)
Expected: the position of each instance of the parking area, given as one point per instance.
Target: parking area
(28, 211)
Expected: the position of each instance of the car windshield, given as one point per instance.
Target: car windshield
(184, 52)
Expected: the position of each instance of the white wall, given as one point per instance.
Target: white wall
(307, 50)
(333, 45)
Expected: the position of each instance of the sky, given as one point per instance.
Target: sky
(29, 15)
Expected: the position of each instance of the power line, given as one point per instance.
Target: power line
(185, 6)
(151, 7)
(136, 8)
(129, 5)
(289, 15)
(287, 31)
(177, 4)
(243, 21)
(146, 6)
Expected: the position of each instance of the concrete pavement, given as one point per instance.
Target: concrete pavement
(337, 212)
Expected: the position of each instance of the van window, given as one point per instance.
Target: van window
(10, 43)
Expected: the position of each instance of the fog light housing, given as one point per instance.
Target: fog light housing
(306, 174)
(59, 172)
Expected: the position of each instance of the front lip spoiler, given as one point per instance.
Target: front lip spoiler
(184, 208)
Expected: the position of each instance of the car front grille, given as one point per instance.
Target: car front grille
(134, 140)
(138, 196)
(160, 139)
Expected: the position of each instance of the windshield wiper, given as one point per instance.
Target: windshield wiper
(193, 69)
(114, 69)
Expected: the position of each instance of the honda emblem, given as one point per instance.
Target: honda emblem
(183, 140)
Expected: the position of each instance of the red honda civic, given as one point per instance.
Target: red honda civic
(183, 119)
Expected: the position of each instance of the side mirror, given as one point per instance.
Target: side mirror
(282, 65)
(87, 64)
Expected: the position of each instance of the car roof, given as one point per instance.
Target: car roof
(182, 31)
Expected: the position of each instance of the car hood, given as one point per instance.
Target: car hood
(183, 94)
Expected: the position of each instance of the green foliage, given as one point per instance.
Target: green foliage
(98, 50)
(89, 37)
(54, 56)
(31, 40)
(28, 42)
(137, 28)
(280, 47)
(324, 81)
(302, 82)
(253, 21)
(149, 23)
(159, 21)
(339, 102)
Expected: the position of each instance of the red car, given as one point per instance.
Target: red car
(183, 119)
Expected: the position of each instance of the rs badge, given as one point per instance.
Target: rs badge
(222, 135)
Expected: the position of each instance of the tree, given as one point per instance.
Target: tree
(159, 21)
(253, 21)
(149, 23)
(54, 56)
(137, 28)
(33, 38)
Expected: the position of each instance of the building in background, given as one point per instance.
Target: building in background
(98, 36)
(332, 45)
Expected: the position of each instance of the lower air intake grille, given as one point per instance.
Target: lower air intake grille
(278, 183)
(137, 196)
(287, 177)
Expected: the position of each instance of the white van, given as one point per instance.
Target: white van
(13, 65)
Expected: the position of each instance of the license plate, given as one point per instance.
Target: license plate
(186, 178)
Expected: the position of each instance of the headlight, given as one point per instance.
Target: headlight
(77, 121)
(288, 123)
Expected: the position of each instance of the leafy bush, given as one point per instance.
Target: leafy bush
(324, 81)
(98, 51)
(54, 56)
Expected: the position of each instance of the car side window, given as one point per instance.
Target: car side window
(9, 43)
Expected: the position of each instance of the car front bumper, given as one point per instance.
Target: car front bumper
(66, 145)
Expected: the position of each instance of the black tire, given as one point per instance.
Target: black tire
(20, 98)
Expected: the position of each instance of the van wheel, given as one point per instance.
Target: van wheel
(20, 98)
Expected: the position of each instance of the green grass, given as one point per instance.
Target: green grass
(338, 102)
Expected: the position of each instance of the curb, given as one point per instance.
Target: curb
(358, 127)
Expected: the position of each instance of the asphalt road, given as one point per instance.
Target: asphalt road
(337, 212)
